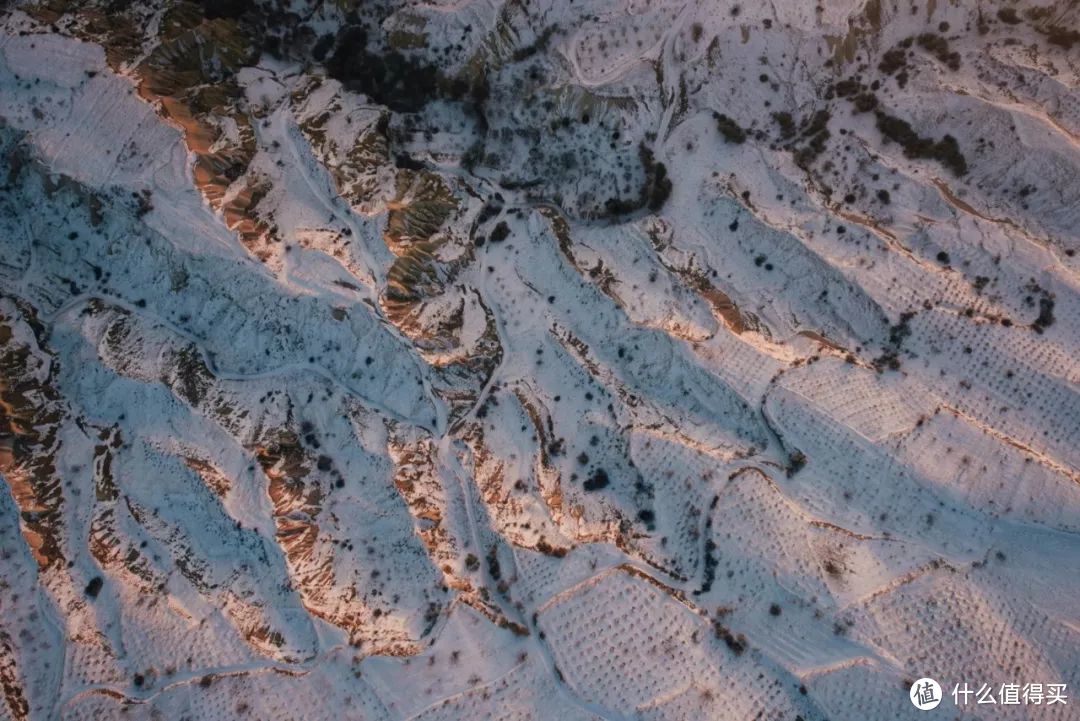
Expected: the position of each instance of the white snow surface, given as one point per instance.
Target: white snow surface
(797, 436)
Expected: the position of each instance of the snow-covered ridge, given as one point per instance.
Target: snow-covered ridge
(597, 360)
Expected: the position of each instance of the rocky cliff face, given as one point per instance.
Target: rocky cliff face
(592, 360)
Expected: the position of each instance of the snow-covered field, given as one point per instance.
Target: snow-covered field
(537, 359)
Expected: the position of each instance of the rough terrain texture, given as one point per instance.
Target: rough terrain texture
(537, 359)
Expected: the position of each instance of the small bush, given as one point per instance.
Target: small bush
(1062, 37)
(1046, 315)
(865, 102)
(501, 232)
(846, 88)
(796, 462)
(1009, 16)
(729, 129)
(737, 644)
(655, 189)
(892, 61)
(939, 46)
(93, 588)
(494, 570)
(946, 151)
(599, 479)
(816, 134)
(786, 123)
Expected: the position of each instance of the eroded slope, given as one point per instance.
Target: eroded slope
(536, 360)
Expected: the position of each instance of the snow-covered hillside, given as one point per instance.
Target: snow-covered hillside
(537, 359)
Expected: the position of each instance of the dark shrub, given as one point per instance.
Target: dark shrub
(501, 232)
(729, 129)
(389, 79)
(1008, 15)
(94, 587)
(599, 479)
(946, 151)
